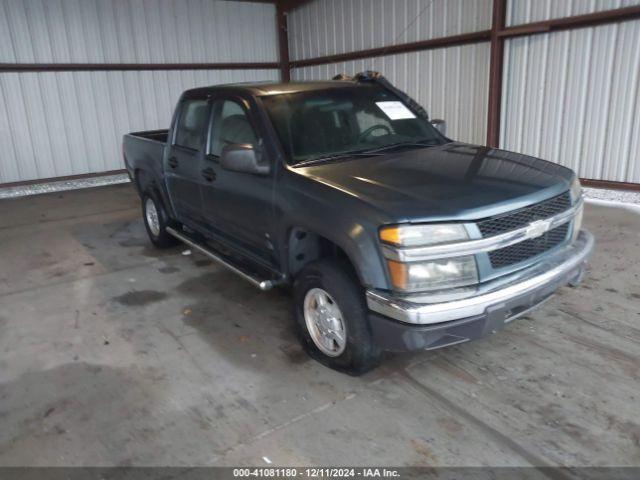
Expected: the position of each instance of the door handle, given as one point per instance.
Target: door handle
(173, 162)
(209, 174)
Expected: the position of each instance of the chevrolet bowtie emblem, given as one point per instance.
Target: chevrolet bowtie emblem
(537, 228)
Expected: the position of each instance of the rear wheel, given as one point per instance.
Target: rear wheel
(156, 221)
(331, 318)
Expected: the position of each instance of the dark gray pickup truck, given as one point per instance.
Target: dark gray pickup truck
(391, 235)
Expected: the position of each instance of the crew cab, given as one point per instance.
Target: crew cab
(390, 235)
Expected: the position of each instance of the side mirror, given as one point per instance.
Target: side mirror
(242, 157)
(439, 125)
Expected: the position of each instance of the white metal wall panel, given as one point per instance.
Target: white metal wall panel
(574, 98)
(525, 11)
(58, 124)
(136, 31)
(451, 83)
(327, 27)
(66, 123)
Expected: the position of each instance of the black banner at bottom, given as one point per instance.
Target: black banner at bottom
(400, 473)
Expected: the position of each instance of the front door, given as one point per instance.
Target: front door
(237, 206)
(182, 167)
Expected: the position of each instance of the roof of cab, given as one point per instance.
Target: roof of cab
(271, 88)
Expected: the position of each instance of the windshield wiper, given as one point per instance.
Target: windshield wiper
(365, 153)
(338, 156)
(402, 144)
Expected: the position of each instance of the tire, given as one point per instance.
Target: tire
(152, 208)
(357, 353)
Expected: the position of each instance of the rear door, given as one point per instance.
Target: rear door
(183, 160)
(237, 205)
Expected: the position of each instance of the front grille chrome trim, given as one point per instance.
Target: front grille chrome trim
(522, 217)
(481, 245)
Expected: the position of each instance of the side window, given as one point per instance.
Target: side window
(191, 124)
(231, 125)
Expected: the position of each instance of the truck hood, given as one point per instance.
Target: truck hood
(455, 181)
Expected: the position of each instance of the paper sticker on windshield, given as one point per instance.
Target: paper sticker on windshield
(395, 110)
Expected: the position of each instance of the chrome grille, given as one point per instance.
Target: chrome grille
(519, 252)
(524, 216)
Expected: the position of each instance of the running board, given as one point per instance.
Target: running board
(250, 277)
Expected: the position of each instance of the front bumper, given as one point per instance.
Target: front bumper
(410, 323)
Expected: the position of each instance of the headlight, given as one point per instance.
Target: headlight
(433, 275)
(419, 235)
(576, 190)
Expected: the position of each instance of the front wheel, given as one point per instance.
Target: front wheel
(331, 318)
(156, 221)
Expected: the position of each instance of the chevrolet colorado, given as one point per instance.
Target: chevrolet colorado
(390, 235)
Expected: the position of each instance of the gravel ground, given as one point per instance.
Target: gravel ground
(624, 196)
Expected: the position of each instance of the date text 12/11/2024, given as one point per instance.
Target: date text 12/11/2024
(319, 472)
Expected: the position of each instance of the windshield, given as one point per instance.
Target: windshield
(323, 124)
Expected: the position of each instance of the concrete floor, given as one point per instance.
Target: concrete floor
(113, 353)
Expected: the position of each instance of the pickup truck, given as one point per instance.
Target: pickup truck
(389, 235)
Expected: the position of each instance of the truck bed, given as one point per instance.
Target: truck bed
(145, 150)
(156, 135)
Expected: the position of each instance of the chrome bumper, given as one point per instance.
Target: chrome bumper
(514, 294)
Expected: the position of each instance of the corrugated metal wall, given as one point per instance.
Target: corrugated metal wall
(136, 31)
(68, 123)
(451, 83)
(326, 27)
(525, 11)
(574, 98)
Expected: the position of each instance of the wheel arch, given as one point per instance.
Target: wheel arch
(146, 180)
(306, 246)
